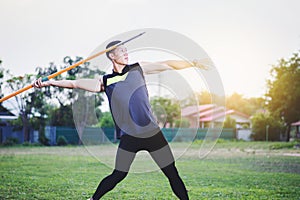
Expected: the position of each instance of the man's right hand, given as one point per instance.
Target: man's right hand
(39, 84)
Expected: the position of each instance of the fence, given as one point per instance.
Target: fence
(190, 134)
(8, 132)
(91, 135)
(96, 135)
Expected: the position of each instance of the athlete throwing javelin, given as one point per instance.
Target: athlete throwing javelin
(136, 127)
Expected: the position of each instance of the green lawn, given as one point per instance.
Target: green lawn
(232, 170)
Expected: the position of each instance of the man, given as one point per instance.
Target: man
(135, 124)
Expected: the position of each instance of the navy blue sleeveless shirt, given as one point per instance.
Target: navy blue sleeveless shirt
(129, 102)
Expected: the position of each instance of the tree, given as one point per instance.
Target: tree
(61, 116)
(247, 106)
(62, 95)
(106, 120)
(236, 101)
(29, 104)
(229, 122)
(283, 93)
(85, 104)
(204, 97)
(74, 105)
(256, 104)
(263, 123)
(165, 110)
(182, 123)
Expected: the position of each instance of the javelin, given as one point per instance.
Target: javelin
(70, 67)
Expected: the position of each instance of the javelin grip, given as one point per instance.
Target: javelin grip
(45, 79)
(69, 68)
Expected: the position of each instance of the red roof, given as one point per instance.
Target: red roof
(193, 110)
(215, 116)
(296, 123)
(209, 112)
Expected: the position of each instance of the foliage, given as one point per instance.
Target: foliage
(10, 141)
(166, 110)
(44, 140)
(62, 95)
(238, 102)
(205, 97)
(263, 122)
(106, 120)
(29, 104)
(286, 145)
(17, 124)
(61, 141)
(61, 116)
(182, 123)
(229, 122)
(84, 104)
(247, 106)
(284, 91)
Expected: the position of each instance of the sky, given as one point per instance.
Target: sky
(243, 38)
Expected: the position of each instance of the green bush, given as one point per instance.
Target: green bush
(26, 144)
(245, 126)
(11, 141)
(198, 141)
(61, 141)
(106, 121)
(229, 122)
(182, 123)
(44, 140)
(220, 141)
(260, 121)
(283, 145)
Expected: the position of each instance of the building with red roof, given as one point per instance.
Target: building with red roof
(211, 115)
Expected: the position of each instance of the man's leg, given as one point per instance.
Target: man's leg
(165, 160)
(108, 183)
(123, 162)
(176, 182)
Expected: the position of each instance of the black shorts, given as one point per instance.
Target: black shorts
(156, 145)
(150, 144)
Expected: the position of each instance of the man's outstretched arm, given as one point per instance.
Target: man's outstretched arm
(156, 67)
(91, 85)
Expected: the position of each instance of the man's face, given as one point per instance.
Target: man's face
(120, 55)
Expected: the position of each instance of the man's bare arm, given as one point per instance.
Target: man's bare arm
(156, 67)
(153, 68)
(91, 85)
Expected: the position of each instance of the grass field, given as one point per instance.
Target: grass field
(232, 170)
